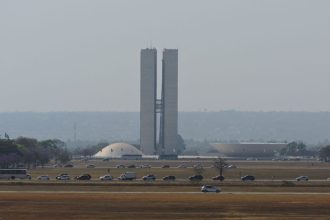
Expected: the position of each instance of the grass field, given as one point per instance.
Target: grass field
(32, 206)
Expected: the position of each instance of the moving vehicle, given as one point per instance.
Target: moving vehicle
(182, 166)
(166, 166)
(221, 178)
(43, 177)
(149, 177)
(63, 176)
(120, 166)
(14, 174)
(169, 178)
(248, 178)
(196, 178)
(209, 188)
(90, 166)
(131, 166)
(127, 176)
(302, 178)
(68, 165)
(106, 178)
(83, 177)
(145, 166)
(230, 166)
(198, 166)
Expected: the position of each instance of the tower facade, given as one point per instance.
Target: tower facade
(166, 106)
(169, 114)
(148, 96)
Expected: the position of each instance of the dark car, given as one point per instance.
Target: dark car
(169, 178)
(120, 166)
(166, 166)
(248, 178)
(196, 178)
(83, 177)
(149, 177)
(68, 165)
(221, 178)
(131, 166)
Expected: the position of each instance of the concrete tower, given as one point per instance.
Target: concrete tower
(169, 116)
(148, 95)
(167, 106)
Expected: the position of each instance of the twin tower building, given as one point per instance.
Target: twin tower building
(159, 114)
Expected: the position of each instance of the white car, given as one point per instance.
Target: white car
(302, 178)
(145, 166)
(231, 166)
(209, 188)
(106, 178)
(43, 177)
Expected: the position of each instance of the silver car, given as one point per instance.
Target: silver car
(302, 178)
(43, 177)
(209, 188)
(106, 178)
(63, 177)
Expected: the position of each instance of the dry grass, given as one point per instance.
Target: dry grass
(161, 187)
(52, 206)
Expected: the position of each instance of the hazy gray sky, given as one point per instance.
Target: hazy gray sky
(76, 55)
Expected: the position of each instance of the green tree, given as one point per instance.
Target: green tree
(64, 155)
(324, 153)
(294, 149)
(54, 147)
(28, 147)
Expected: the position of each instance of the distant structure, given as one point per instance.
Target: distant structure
(120, 151)
(166, 106)
(249, 149)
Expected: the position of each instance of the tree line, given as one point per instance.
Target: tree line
(299, 148)
(29, 152)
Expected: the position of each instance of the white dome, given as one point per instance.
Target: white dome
(117, 150)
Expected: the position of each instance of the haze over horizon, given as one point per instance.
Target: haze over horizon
(82, 55)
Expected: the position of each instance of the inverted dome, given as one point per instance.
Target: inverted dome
(249, 149)
(117, 150)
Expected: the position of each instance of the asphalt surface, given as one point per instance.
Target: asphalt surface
(210, 193)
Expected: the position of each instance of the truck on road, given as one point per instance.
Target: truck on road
(127, 176)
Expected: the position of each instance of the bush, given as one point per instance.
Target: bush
(287, 183)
